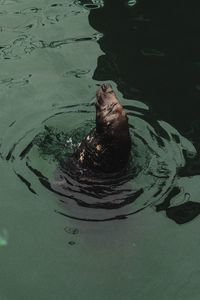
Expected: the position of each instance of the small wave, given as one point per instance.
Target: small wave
(25, 44)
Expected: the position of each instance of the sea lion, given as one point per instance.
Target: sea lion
(107, 147)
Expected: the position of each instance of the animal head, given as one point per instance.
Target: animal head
(111, 117)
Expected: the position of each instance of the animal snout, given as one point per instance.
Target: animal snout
(106, 87)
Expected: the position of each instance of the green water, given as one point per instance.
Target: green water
(49, 54)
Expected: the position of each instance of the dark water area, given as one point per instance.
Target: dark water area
(134, 236)
(152, 53)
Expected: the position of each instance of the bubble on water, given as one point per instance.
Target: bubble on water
(131, 2)
(71, 230)
(90, 4)
(71, 243)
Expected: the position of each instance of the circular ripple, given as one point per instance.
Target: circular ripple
(35, 154)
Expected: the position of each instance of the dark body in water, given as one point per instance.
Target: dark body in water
(107, 147)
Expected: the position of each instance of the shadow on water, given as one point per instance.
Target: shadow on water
(152, 52)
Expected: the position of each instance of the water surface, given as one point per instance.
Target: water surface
(143, 241)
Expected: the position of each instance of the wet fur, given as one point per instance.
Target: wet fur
(107, 147)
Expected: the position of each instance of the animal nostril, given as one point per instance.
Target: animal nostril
(104, 87)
